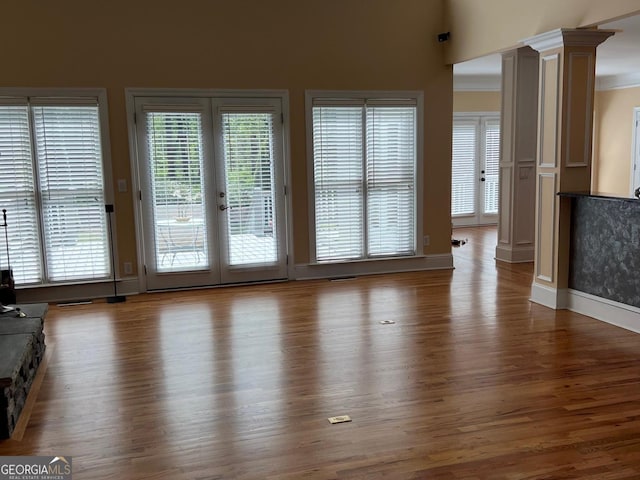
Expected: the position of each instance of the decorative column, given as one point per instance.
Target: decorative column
(519, 120)
(565, 125)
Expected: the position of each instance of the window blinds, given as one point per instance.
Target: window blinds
(391, 158)
(338, 173)
(18, 195)
(463, 184)
(492, 164)
(52, 189)
(364, 179)
(69, 159)
(176, 178)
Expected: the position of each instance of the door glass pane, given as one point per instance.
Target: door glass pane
(491, 167)
(175, 161)
(249, 188)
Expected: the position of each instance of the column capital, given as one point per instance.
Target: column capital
(568, 37)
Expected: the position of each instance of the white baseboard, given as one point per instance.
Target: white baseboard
(615, 313)
(72, 293)
(514, 255)
(372, 267)
(549, 296)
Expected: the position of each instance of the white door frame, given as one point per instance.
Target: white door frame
(635, 152)
(130, 96)
(250, 273)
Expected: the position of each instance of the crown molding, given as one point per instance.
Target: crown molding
(614, 82)
(566, 37)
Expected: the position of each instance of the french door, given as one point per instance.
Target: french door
(211, 190)
(475, 169)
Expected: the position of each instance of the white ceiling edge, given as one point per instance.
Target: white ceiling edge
(492, 83)
(615, 82)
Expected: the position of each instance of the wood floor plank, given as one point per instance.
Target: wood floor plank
(472, 381)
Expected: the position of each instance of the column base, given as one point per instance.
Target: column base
(551, 297)
(514, 255)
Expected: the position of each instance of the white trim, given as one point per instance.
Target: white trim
(567, 37)
(365, 94)
(548, 296)
(204, 92)
(509, 254)
(618, 82)
(135, 188)
(288, 182)
(635, 151)
(539, 217)
(614, 313)
(541, 119)
(59, 93)
(373, 267)
(473, 115)
(311, 190)
(72, 293)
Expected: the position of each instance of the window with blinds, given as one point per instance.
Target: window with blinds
(475, 165)
(364, 174)
(463, 168)
(51, 185)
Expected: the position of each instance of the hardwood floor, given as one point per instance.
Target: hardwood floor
(472, 382)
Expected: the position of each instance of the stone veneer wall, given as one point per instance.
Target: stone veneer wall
(605, 248)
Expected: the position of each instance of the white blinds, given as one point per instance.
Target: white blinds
(249, 190)
(54, 187)
(491, 164)
(69, 159)
(391, 159)
(18, 195)
(463, 183)
(174, 142)
(338, 175)
(364, 179)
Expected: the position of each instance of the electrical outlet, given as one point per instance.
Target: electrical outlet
(128, 268)
(426, 240)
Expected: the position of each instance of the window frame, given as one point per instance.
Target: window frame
(347, 96)
(70, 96)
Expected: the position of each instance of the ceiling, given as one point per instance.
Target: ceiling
(617, 62)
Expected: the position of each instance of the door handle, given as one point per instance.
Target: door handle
(482, 179)
(222, 208)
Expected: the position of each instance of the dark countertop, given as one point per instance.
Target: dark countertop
(598, 196)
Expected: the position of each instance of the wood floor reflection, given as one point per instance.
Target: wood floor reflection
(472, 381)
